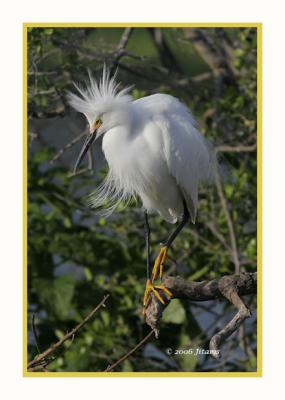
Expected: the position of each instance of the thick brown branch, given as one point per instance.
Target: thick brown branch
(230, 292)
(230, 287)
(43, 359)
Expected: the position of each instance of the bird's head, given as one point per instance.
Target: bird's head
(104, 106)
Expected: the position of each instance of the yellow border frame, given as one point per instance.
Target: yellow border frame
(258, 373)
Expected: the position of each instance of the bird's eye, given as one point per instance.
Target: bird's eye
(95, 125)
(98, 122)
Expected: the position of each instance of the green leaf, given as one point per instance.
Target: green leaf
(105, 317)
(174, 313)
(56, 295)
(189, 359)
(201, 272)
(63, 290)
(127, 366)
(88, 274)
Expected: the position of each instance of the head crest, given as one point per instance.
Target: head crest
(97, 97)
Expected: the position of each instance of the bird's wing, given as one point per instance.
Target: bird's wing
(189, 156)
(165, 103)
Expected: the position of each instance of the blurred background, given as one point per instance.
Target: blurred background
(75, 256)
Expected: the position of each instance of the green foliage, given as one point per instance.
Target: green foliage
(56, 294)
(75, 257)
(174, 313)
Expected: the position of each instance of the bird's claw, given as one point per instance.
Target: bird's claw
(158, 264)
(155, 290)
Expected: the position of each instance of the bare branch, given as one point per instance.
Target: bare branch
(229, 287)
(35, 333)
(211, 225)
(68, 146)
(121, 49)
(215, 56)
(229, 291)
(43, 359)
(235, 149)
(129, 353)
(224, 203)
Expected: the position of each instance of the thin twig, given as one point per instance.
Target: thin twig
(68, 146)
(218, 235)
(35, 333)
(235, 149)
(127, 355)
(41, 358)
(121, 49)
(229, 221)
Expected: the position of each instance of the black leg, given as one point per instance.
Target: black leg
(179, 227)
(147, 236)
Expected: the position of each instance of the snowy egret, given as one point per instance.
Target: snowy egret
(154, 151)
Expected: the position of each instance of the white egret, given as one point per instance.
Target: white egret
(154, 151)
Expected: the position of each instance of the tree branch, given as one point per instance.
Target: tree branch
(230, 287)
(224, 203)
(236, 149)
(35, 333)
(68, 146)
(129, 353)
(215, 56)
(42, 360)
(121, 49)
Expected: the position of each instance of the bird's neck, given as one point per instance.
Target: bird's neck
(118, 140)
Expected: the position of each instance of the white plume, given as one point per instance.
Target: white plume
(98, 97)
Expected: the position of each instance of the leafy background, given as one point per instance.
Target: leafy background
(75, 257)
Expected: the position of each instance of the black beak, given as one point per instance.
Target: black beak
(88, 141)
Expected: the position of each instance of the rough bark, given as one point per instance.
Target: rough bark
(229, 287)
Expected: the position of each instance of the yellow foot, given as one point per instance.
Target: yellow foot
(158, 265)
(150, 288)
